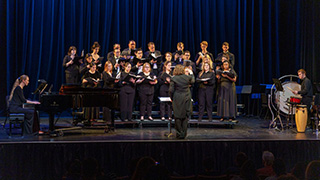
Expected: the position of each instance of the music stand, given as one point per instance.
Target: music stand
(167, 100)
(41, 87)
(273, 123)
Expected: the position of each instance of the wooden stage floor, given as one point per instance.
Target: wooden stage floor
(247, 129)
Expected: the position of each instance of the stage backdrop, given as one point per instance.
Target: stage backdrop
(269, 38)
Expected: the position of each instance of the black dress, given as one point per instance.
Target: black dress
(91, 113)
(227, 97)
(71, 71)
(146, 92)
(205, 92)
(15, 106)
(108, 82)
(164, 92)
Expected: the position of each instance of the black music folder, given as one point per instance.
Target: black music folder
(229, 73)
(129, 76)
(78, 60)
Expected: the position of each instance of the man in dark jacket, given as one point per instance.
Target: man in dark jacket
(306, 92)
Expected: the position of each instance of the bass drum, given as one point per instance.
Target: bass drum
(280, 98)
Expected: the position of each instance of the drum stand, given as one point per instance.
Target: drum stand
(291, 107)
(170, 132)
(273, 123)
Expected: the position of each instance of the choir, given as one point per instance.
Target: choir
(147, 76)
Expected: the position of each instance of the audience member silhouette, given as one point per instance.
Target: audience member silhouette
(267, 160)
(143, 166)
(299, 170)
(313, 170)
(74, 170)
(287, 177)
(157, 172)
(240, 159)
(279, 168)
(208, 167)
(248, 171)
(91, 169)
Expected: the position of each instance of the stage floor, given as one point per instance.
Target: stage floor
(247, 129)
(45, 157)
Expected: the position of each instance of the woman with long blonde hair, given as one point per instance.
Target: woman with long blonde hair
(16, 101)
(206, 81)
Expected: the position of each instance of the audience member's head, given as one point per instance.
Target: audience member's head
(91, 168)
(241, 158)
(157, 172)
(143, 166)
(279, 167)
(248, 170)
(313, 170)
(299, 170)
(208, 163)
(132, 166)
(74, 169)
(287, 177)
(267, 158)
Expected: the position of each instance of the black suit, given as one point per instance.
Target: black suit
(127, 93)
(113, 61)
(307, 95)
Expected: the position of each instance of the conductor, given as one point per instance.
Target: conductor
(180, 94)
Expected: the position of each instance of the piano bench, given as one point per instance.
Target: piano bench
(14, 119)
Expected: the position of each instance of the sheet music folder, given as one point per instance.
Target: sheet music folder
(165, 99)
(278, 84)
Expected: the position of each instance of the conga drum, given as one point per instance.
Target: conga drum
(301, 118)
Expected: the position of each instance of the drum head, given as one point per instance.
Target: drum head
(281, 97)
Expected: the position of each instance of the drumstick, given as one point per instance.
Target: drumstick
(290, 89)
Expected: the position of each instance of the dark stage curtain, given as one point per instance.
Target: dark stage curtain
(269, 38)
(49, 160)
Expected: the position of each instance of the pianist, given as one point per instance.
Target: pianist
(16, 101)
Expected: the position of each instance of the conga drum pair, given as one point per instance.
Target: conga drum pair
(301, 118)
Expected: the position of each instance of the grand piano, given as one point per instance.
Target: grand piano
(75, 96)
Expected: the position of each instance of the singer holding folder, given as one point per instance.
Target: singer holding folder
(206, 80)
(127, 92)
(71, 68)
(180, 94)
(164, 82)
(227, 97)
(146, 90)
(16, 101)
